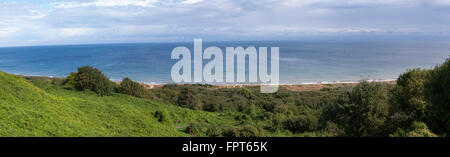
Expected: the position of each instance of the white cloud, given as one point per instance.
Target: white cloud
(297, 3)
(191, 1)
(369, 3)
(441, 2)
(90, 21)
(106, 3)
(75, 32)
(6, 32)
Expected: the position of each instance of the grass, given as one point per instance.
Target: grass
(43, 107)
(38, 108)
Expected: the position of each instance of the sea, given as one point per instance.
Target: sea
(300, 62)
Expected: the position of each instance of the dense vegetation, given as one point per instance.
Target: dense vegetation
(92, 79)
(127, 86)
(87, 103)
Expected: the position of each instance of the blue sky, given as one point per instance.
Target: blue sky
(48, 22)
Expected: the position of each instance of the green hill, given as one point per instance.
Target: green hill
(38, 108)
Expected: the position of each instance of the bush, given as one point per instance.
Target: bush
(162, 116)
(243, 131)
(277, 122)
(408, 94)
(129, 87)
(70, 80)
(214, 131)
(270, 106)
(437, 91)
(188, 99)
(397, 120)
(244, 118)
(240, 102)
(195, 129)
(332, 129)
(363, 111)
(246, 93)
(282, 108)
(212, 107)
(302, 123)
(89, 78)
(418, 129)
(165, 94)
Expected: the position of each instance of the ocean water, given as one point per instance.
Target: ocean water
(301, 62)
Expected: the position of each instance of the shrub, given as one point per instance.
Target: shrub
(277, 122)
(418, 129)
(408, 94)
(214, 131)
(271, 105)
(244, 118)
(195, 129)
(264, 115)
(281, 108)
(397, 120)
(129, 87)
(250, 131)
(162, 116)
(70, 80)
(246, 93)
(332, 129)
(188, 99)
(243, 131)
(363, 111)
(437, 91)
(240, 102)
(165, 94)
(302, 123)
(211, 107)
(89, 78)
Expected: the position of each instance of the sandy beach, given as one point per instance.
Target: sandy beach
(291, 87)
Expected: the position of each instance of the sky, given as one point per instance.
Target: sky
(52, 22)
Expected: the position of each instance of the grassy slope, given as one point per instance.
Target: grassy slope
(40, 109)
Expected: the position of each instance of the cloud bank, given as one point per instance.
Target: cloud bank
(39, 22)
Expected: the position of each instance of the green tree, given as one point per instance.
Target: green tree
(437, 91)
(129, 87)
(188, 99)
(408, 95)
(363, 111)
(89, 78)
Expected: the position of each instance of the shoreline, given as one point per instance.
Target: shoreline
(307, 86)
(290, 87)
(310, 86)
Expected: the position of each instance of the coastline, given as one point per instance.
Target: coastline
(310, 86)
(290, 87)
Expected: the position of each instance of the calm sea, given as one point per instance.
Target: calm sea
(301, 62)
